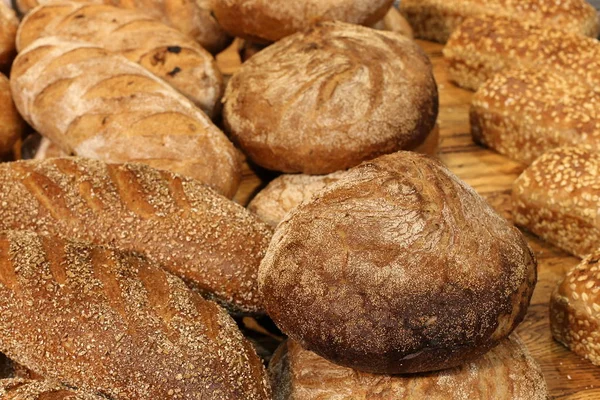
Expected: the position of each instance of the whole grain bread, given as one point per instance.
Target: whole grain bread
(8, 31)
(399, 267)
(24, 389)
(11, 123)
(212, 243)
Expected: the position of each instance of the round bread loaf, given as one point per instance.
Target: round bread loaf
(331, 97)
(8, 30)
(270, 21)
(399, 267)
(11, 123)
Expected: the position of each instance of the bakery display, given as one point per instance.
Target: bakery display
(557, 199)
(378, 245)
(114, 324)
(210, 242)
(481, 47)
(8, 31)
(331, 97)
(507, 372)
(437, 19)
(100, 105)
(527, 112)
(11, 123)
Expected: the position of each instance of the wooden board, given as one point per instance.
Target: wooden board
(491, 174)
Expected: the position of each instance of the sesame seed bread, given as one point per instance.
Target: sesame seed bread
(97, 104)
(436, 19)
(24, 389)
(11, 123)
(575, 309)
(269, 21)
(214, 244)
(507, 372)
(328, 98)
(557, 199)
(114, 324)
(527, 112)
(166, 52)
(8, 31)
(481, 47)
(399, 267)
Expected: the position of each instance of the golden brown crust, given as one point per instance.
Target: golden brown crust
(270, 21)
(331, 97)
(399, 267)
(557, 199)
(100, 105)
(575, 309)
(11, 123)
(8, 31)
(112, 323)
(24, 389)
(214, 244)
(507, 372)
(437, 19)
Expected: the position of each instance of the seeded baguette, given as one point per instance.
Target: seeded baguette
(100, 105)
(212, 243)
(112, 323)
(23, 389)
(8, 31)
(11, 123)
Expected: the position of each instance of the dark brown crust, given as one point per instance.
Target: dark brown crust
(399, 267)
(24, 389)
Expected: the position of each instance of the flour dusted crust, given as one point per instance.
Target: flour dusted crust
(507, 372)
(398, 267)
(11, 123)
(331, 97)
(8, 31)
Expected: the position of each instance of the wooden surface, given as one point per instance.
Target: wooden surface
(567, 375)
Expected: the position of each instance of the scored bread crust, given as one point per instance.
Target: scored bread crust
(507, 372)
(481, 47)
(269, 21)
(8, 31)
(11, 123)
(25, 389)
(331, 97)
(437, 19)
(556, 198)
(100, 105)
(399, 267)
(212, 243)
(166, 52)
(112, 323)
(575, 309)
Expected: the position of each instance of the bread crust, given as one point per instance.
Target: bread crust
(25, 389)
(331, 97)
(11, 123)
(399, 267)
(8, 31)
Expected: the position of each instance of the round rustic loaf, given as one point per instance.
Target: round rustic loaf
(331, 97)
(8, 31)
(11, 123)
(399, 267)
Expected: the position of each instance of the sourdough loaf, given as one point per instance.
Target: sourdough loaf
(399, 267)
(8, 31)
(100, 105)
(557, 199)
(11, 123)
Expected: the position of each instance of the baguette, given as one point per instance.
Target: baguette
(212, 243)
(113, 324)
(507, 372)
(8, 31)
(556, 198)
(481, 47)
(162, 50)
(525, 113)
(100, 105)
(437, 19)
(11, 123)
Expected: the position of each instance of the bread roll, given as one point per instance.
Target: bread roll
(100, 105)
(11, 123)
(481, 47)
(114, 324)
(399, 267)
(575, 309)
(557, 199)
(212, 243)
(437, 19)
(507, 372)
(331, 97)
(24, 389)
(525, 113)
(8, 30)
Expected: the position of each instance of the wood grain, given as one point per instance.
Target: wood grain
(491, 174)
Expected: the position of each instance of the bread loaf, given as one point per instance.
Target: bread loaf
(23, 389)
(100, 105)
(11, 123)
(8, 31)
(395, 22)
(262, 21)
(399, 267)
(524, 113)
(162, 50)
(331, 97)
(557, 199)
(114, 324)
(212, 243)
(575, 309)
(437, 19)
(481, 47)
(507, 372)
(47, 149)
